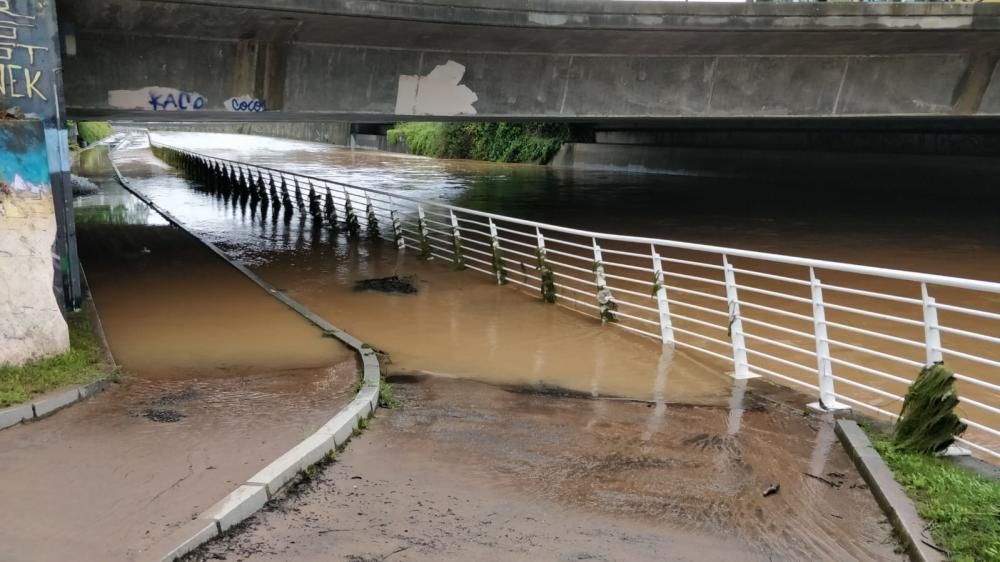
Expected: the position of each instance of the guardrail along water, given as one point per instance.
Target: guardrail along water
(852, 335)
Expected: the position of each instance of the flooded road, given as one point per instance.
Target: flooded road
(218, 380)
(460, 323)
(492, 474)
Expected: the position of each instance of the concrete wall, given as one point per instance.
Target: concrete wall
(331, 133)
(31, 324)
(307, 60)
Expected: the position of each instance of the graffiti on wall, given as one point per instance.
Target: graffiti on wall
(157, 98)
(245, 104)
(22, 64)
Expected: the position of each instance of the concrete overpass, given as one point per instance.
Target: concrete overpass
(385, 60)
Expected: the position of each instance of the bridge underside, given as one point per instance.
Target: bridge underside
(303, 60)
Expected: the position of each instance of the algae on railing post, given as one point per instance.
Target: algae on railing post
(425, 244)
(372, 226)
(498, 266)
(457, 258)
(548, 278)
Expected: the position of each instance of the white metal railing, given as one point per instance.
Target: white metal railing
(855, 335)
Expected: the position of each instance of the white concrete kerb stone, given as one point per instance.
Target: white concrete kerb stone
(15, 415)
(237, 506)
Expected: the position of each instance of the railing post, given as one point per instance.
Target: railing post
(498, 267)
(397, 229)
(605, 300)
(545, 274)
(662, 304)
(425, 244)
(827, 395)
(458, 260)
(741, 366)
(932, 331)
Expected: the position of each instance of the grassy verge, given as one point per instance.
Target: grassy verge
(961, 508)
(495, 142)
(83, 363)
(93, 131)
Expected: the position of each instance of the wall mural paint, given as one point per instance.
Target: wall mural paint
(157, 98)
(31, 323)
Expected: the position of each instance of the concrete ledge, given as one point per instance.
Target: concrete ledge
(51, 404)
(237, 506)
(15, 415)
(187, 538)
(889, 494)
(286, 467)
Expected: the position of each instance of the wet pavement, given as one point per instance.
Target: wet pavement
(470, 471)
(218, 380)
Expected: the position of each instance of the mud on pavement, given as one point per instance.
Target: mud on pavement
(469, 471)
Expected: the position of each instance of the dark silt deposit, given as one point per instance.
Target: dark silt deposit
(393, 284)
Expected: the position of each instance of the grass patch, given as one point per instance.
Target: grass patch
(93, 131)
(962, 508)
(83, 363)
(495, 142)
(387, 395)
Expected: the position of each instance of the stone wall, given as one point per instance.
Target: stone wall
(31, 323)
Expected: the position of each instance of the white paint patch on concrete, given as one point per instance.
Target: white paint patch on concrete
(547, 19)
(31, 324)
(157, 98)
(439, 93)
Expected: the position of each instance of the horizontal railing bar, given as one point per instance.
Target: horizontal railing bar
(862, 349)
(809, 336)
(967, 334)
(871, 371)
(701, 308)
(875, 334)
(757, 368)
(770, 276)
(647, 270)
(969, 311)
(975, 381)
(568, 243)
(878, 315)
(692, 263)
(471, 221)
(970, 357)
(867, 388)
(566, 265)
(792, 298)
(782, 345)
(636, 318)
(694, 278)
(700, 322)
(972, 402)
(624, 253)
(980, 448)
(873, 294)
(696, 293)
(515, 242)
(629, 292)
(777, 311)
(702, 350)
(636, 330)
(550, 251)
(636, 305)
(648, 283)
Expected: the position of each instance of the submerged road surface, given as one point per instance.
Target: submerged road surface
(468, 471)
(219, 379)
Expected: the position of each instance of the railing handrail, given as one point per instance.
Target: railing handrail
(829, 265)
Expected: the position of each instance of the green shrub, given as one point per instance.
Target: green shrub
(495, 142)
(93, 131)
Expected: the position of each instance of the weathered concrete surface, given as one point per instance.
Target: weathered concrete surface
(31, 324)
(331, 132)
(495, 474)
(307, 59)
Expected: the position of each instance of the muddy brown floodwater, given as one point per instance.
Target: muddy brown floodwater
(218, 380)
(469, 471)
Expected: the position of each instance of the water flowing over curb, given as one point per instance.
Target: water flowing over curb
(251, 496)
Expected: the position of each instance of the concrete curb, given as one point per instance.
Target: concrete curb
(251, 496)
(889, 494)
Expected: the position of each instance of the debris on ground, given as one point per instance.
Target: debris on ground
(829, 483)
(163, 416)
(83, 186)
(393, 284)
(772, 489)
